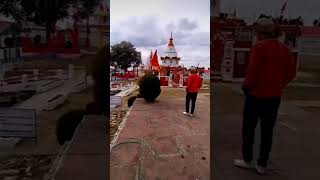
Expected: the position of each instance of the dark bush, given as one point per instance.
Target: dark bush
(26, 94)
(37, 39)
(67, 125)
(68, 44)
(14, 99)
(9, 42)
(131, 100)
(149, 87)
(93, 109)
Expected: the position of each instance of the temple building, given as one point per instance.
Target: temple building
(170, 56)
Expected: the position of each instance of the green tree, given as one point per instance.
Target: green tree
(44, 12)
(86, 9)
(124, 55)
(14, 9)
(41, 12)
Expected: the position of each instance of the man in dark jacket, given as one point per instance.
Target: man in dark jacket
(193, 86)
(271, 68)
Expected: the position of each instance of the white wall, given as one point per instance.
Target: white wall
(168, 63)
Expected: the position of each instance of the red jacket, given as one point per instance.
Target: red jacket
(271, 68)
(194, 83)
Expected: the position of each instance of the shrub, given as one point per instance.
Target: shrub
(131, 101)
(149, 87)
(68, 44)
(37, 39)
(93, 109)
(9, 42)
(67, 125)
(26, 94)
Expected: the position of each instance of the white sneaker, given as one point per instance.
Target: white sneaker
(190, 115)
(261, 170)
(242, 164)
(185, 113)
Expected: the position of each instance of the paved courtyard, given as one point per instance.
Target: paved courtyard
(295, 153)
(158, 142)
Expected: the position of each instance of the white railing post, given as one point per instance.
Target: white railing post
(60, 74)
(24, 79)
(111, 82)
(70, 71)
(181, 81)
(36, 74)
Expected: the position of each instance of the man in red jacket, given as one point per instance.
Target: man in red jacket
(193, 86)
(271, 68)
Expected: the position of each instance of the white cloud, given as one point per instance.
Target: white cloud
(152, 23)
(308, 9)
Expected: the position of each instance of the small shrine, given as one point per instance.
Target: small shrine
(170, 57)
(170, 72)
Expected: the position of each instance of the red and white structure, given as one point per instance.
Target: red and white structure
(172, 73)
(232, 43)
(170, 57)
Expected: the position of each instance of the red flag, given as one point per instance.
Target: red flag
(150, 59)
(101, 7)
(154, 62)
(283, 6)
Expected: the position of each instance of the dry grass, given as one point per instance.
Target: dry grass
(311, 66)
(173, 92)
(302, 93)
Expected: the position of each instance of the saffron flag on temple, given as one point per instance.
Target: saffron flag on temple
(101, 7)
(284, 6)
(149, 61)
(154, 62)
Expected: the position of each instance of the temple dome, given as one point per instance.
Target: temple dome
(170, 52)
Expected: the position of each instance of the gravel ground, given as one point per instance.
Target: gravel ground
(25, 167)
(115, 121)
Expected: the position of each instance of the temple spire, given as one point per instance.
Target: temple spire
(171, 41)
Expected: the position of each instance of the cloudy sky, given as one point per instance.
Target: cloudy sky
(308, 9)
(148, 23)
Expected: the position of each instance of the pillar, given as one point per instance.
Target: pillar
(36, 74)
(24, 78)
(70, 71)
(60, 74)
(181, 80)
(170, 80)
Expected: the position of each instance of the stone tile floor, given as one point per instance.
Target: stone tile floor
(158, 142)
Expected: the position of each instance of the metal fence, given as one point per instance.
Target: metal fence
(18, 123)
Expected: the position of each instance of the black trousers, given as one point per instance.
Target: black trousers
(265, 109)
(191, 97)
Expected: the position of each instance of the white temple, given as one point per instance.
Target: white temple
(170, 56)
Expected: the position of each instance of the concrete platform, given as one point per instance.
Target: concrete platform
(294, 154)
(86, 157)
(159, 142)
